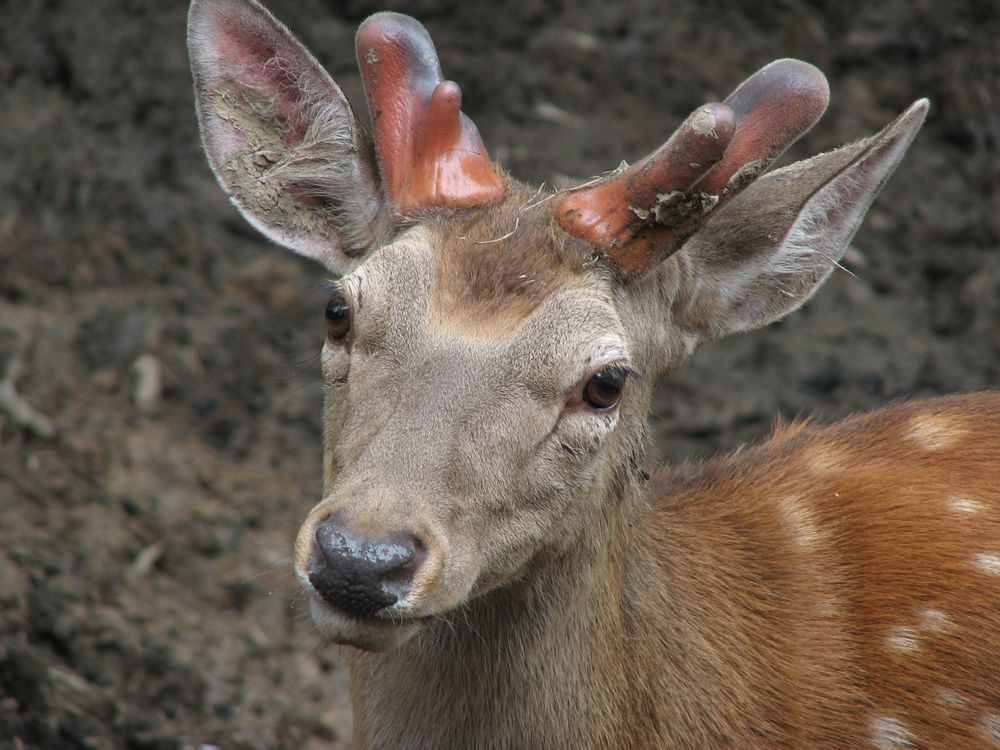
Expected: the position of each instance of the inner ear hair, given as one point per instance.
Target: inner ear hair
(766, 252)
(281, 137)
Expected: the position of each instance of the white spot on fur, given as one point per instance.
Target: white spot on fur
(991, 724)
(934, 620)
(988, 563)
(933, 432)
(903, 639)
(800, 522)
(829, 607)
(965, 505)
(890, 734)
(825, 459)
(950, 697)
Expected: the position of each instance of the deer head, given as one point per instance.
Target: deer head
(492, 349)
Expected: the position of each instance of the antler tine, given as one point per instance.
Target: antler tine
(619, 215)
(430, 154)
(774, 107)
(645, 214)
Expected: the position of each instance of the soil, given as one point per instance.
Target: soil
(147, 509)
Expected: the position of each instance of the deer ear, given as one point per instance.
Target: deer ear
(766, 252)
(281, 137)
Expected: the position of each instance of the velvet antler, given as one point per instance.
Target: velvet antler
(639, 217)
(430, 154)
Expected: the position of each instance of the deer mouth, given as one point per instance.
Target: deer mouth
(375, 633)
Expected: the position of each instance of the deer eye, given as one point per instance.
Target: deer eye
(338, 317)
(604, 389)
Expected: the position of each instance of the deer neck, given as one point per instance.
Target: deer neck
(544, 662)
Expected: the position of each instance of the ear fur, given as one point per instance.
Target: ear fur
(772, 247)
(281, 137)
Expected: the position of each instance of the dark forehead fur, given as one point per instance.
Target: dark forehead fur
(500, 263)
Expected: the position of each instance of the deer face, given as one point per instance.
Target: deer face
(467, 430)
(491, 349)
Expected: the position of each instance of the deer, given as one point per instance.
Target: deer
(494, 556)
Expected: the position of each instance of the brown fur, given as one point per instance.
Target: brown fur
(498, 264)
(807, 628)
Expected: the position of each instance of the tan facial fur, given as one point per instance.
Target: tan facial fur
(469, 433)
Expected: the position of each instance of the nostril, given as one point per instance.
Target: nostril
(362, 576)
(407, 565)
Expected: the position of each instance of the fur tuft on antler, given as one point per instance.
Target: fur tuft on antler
(642, 215)
(430, 154)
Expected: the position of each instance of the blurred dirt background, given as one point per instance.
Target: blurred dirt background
(150, 491)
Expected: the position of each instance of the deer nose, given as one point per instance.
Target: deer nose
(361, 576)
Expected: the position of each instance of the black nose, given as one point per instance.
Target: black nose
(361, 576)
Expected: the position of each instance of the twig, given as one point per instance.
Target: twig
(533, 202)
(517, 221)
(17, 408)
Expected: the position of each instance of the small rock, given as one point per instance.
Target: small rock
(145, 561)
(148, 382)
